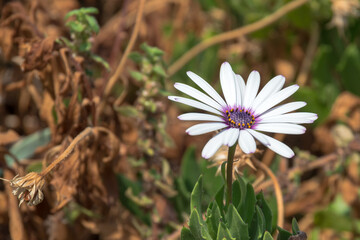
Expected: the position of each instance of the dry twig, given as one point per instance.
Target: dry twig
(278, 193)
(236, 33)
(121, 65)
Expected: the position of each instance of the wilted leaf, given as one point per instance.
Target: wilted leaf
(8, 137)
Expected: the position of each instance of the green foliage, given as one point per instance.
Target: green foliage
(337, 216)
(285, 235)
(25, 148)
(73, 211)
(124, 184)
(190, 170)
(349, 68)
(247, 218)
(196, 196)
(83, 27)
(151, 66)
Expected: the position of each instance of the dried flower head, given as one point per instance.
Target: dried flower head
(342, 10)
(28, 188)
(240, 160)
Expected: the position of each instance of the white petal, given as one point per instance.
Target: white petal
(202, 128)
(194, 103)
(192, 92)
(299, 117)
(213, 145)
(231, 136)
(242, 87)
(276, 98)
(238, 92)
(278, 147)
(246, 142)
(227, 81)
(259, 137)
(285, 108)
(200, 117)
(272, 87)
(204, 85)
(286, 128)
(252, 87)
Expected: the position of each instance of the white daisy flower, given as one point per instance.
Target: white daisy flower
(244, 114)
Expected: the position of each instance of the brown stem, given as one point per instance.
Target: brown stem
(292, 173)
(309, 55)
(278, 193)
(236, 33)
(67, 151)
(121, 65)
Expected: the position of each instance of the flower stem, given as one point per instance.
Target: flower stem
(229, 173)
(68, 150)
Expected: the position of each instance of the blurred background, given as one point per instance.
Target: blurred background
(112, 64)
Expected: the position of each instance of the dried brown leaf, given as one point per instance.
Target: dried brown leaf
(8, 137)
(39, 54)
(17, 229)
(349, 191)
(324, 140)
(46, 110)
(347, 109)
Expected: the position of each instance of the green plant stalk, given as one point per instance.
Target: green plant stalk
(229, 174)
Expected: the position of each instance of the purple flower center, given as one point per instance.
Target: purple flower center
(239, 118)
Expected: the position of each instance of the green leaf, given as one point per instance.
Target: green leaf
(136, 57)
(72, 13)
(236, 194)
(295, 227)
(249, 204)
(125, 183)
(267, 236)
(224, 233)
(283, 234)
(76, 26)
(26, 147)
(242, 208)
(211, 182)
(186, 234)
(93, 24)
(219, 198)
(195, 224)
(128, 111)
(213, 219)
(151, 51)
(349, 68)
(336, 216)
(257, 227)
(89, 10)
(205, 233)
(159, 70)
(190, 170)
(100, 60)
(137, 75)
(265, 210)
(182, 187)
(238, 228)
(67, 42)
(84, 47)
(196, 196)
